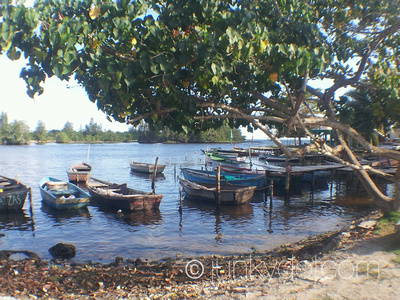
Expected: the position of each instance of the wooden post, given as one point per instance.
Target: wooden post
(175, 171)
(218, 185)
(251, 162)
(271, 192)
(180, 201)
(331, 184)
(287, 181)
(31, 210)
(153, 186)
(312, 185)
(30, 201)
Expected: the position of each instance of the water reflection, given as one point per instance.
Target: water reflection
(134, 218)
(231, 212)
(15, 220)
(61, 216)
(159, 176)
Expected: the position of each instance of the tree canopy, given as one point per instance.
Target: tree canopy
(192, 64)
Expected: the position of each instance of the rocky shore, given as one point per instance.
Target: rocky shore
(345, 264)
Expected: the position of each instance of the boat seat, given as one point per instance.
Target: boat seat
(64, 192)
(56, 185)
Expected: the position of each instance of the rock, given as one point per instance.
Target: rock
(119, 260)
(346, 234)
(370, 224)
(63, 251)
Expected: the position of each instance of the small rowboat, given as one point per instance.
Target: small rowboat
(119, 196)
(12, 194)
(79, 172)
(240, 179)
(229, 194)
(62, 195)
(146, 168)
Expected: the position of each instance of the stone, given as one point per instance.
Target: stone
(63, 251)
(370, 224)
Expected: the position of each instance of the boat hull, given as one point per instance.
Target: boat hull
(70, 197)
(78, 176)
(209, 177)
(146, 168)
(229, 195)
(13, 200)
(121, 197)
(12, 194)
(79, 173)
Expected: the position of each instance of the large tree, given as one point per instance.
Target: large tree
(192, 64)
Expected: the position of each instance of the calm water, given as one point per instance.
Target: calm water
(101, 235)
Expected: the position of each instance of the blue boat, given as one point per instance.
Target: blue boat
(238, 179)
(60, 194)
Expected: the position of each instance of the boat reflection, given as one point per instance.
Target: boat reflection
(15, 220)
(133, 218)
(149, 177)
(228, 212)
(60, 216)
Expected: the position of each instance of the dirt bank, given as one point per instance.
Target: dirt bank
(352, 263)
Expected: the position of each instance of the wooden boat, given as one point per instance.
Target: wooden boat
(121, 197)
(278, 159)
(61, 194)
(229, 194)
(228, 158)
(146, 168)
(12, 194)
(240, 179)
(79, 172)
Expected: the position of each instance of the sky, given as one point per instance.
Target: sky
(61, 102)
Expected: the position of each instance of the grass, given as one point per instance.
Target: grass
(386, 225)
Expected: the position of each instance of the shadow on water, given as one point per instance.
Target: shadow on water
(149, 177)
(15, 220)
(228, 212)
(133, 218)
(60, 216)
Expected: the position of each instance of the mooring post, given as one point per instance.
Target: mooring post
(153, 179)
(271, 192)
(287, 181)
(251, 162)
(218, 185)
(31, 210)
(331, 184)
(30, 201)
(266, 189)
(175, 171)
(180, 201)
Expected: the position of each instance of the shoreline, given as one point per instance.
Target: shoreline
(137, 278)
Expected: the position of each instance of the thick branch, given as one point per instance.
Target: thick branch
(354, 134)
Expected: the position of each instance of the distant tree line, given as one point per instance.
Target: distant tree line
(218, 135)
(19, 133)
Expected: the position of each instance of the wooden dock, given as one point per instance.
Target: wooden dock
(299, 170)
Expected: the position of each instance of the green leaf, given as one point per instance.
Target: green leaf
(154, 68)
(185, 129)
(214, 68)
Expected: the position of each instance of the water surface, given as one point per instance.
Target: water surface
(101, 235)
